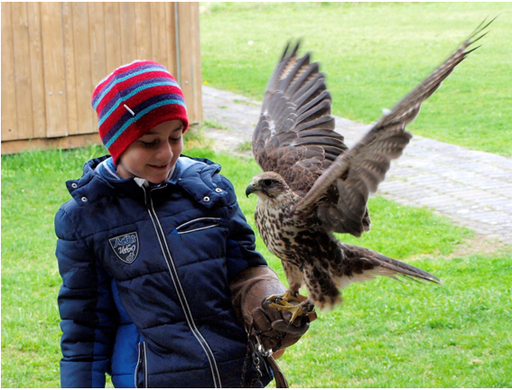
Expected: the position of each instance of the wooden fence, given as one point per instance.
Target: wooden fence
(54, 54)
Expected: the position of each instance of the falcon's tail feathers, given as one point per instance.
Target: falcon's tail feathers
(361, 264)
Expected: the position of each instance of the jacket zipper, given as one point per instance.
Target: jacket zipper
(142, 361)
(179, 289)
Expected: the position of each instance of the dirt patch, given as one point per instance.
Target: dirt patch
(478, 244)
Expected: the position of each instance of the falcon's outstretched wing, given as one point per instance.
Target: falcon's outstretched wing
(295, 135)
(357, 172)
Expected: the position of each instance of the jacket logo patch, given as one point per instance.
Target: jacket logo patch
(126, 247)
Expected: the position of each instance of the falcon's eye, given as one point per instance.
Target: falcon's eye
(267, 182)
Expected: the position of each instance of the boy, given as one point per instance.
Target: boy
(161, 280)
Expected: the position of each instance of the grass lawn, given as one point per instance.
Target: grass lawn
(385, 335)
(372, 55)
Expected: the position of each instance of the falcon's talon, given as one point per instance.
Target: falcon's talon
(286, 298)
(275, 299)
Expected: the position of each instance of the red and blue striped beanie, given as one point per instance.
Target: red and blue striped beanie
(132, 100)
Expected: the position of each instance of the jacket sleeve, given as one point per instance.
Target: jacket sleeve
(88, 314)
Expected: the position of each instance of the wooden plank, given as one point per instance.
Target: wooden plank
(69, 142)
(97, 41)
(69, 58)
(190, 59)
(159, 33)
(113, 36)
(36, 69)
(170, 20)
(86, 116)
(128, 36)
(143, 31)
(54, 70)
(9, 119)
(25, 127)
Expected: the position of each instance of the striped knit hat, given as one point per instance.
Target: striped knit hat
(132, 100)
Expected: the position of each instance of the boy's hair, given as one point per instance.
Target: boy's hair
(132, 100)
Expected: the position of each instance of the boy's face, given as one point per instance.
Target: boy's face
(153, 156)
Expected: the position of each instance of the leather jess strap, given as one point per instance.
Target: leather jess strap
(281, 381)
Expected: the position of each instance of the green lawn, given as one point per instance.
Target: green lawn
(386, 334)
(373, 54)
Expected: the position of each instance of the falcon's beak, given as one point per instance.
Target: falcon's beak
(249, 190)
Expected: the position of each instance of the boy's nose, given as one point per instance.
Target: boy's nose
(165, 151)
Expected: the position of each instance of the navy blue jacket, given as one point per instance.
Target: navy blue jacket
(146, 273)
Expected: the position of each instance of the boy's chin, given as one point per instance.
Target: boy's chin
(158, 178)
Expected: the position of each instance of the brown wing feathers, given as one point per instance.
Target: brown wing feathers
(295, 135)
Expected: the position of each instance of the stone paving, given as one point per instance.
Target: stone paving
(472, 188)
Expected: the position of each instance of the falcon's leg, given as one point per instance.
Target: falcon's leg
(294, 277)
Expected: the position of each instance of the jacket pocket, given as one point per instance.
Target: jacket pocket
(198, 224)
(141, 372)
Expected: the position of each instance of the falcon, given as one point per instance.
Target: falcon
(313, 186)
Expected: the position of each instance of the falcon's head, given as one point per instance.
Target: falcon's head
(270, 186)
